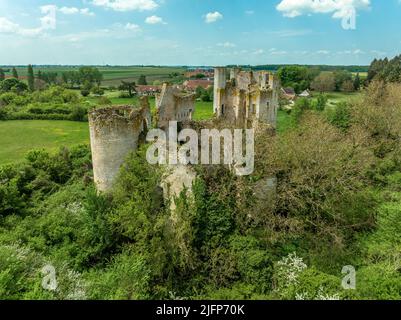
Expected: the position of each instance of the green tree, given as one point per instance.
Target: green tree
(142, 80)
(340, 116)
(13, 85)
(86, 89)
(340, 77)
(347, 86)
(91, 75)
(321, 102)
(31, 78)
(297, 77)
(357, 82)
(324, 82)
(2, 75)
(15, 73)
(130, 87)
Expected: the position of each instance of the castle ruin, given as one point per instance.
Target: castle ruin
(115, 132)
(246, 98)
(173, 105)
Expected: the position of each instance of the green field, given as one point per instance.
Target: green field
(19, 137)
(113, 75)
(204, 110)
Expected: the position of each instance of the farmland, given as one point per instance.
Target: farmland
(114, 75)
(19, 137)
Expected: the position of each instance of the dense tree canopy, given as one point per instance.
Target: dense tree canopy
(385, 69)
(297, 77)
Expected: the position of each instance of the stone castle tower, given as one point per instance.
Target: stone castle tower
(114, 132)
(246, 98)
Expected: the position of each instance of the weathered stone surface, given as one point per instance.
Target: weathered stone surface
(173, 105)
(266, 190)
(176, 180)
(114, 132)
(248, 98)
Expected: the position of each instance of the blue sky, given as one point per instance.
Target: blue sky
(197, 32)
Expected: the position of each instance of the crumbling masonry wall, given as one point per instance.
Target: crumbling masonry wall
(115, 132)
(173, 105)
(247, 98)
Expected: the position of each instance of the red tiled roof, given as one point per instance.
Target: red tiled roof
(142, 88)
(193, 84)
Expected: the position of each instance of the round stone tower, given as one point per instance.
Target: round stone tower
(114, 132)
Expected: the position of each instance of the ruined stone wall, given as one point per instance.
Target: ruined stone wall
(114, 132)
(244, 80)
(173, 105)
(248, 97)
(219, 87)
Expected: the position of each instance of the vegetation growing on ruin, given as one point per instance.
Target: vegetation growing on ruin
(338, 203)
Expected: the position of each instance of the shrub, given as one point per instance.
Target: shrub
(322, 178)
(321, 102)
(301, 105)
(3, 113)
(85, 92)
(104, 101)
(340, 116)
(11, 201)
(254, 263)
(79, 114)
(126, 278)
(98, 91)
(13, 85)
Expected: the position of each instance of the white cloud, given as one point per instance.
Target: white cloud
(7, 26)
(154, 20)
(127, 5)
(259, 51)
(132, 27)
(73, 10)
(227, 44)
(213, 17)
(69, 10)
(339, 8)
(249, 12)
(48, 21)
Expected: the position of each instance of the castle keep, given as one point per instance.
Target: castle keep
(246, 98)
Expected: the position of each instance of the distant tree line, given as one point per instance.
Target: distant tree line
(85, 77)
(385, 70)
(276, 67)
(301, 78)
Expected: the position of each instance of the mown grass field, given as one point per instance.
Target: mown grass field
(19, 137)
